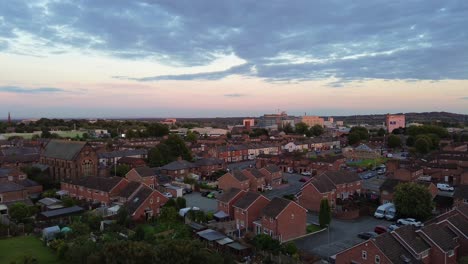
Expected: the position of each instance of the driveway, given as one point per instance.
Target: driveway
(205, 204)
(241, 165)
(342, 235)
(292, 187)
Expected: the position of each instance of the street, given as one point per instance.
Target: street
(342, 235)
(292, 187)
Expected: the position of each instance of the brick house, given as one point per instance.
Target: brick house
(384, 249)
(69, 159)
(388, 188)
(256, 179)
(132, 162)
(234, 179)
(144, 175)
(232, 153)
(331, 185)
(282, 219)
(410, 173)
(103, 190)
(444, 239)
(460, 196)
(273, 175)
(207, 166)
(13, 175)
(145, 203)
(247, 209)
(228, 199)
(178, 169)
(11, 193)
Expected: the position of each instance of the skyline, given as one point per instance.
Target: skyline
(152, 59)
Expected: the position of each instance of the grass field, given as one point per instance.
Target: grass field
(70, 134)
(13, 249)
(367, 162)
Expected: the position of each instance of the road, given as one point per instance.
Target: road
(342, 235)
(292, 187)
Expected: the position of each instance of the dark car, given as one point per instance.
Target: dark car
(367, 235)
(204, 194)
(380, 229)
(187, 190)
(303, 179)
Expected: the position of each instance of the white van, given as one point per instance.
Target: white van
(391, 213)
(383, 210)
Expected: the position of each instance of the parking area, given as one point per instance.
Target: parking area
(292, 187)
(197, 200)
(342, 235)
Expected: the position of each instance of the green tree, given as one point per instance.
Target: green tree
(423, 144)
(302, 128)
(288, 129)
(121, 170)
(168, 215)
(19, 212)
(80, 229)
(413, 200)
(394, 141)
(324, 213)
(123, 217)
(265, 242)
(181, 203)
(353, 138)
(410, 141)
(289, 248)
(191, 137)
(130, 252)
(317, 130)
(361, 131)
(381, 132)
(45, 133)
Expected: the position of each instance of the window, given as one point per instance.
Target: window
(271, 220)
(364, 254)
(87, 167)
(157, 199)
(377, 259)
(151, 201)
(451, 253)
(292, 216)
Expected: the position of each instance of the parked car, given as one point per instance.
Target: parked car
(389, 155)
(303, 179)
(268, 188)
(409, 221)
(211, 195)
(168, 194)
(444, 187)
(204, 194)
(368, 175)
(380, 229)
(187, 190)
(306, 173)
(392, 227)
(367, 235)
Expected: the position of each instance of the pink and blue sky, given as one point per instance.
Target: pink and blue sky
(94, 58)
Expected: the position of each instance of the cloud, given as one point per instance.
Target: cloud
(464, 98)
(22, 90)
(352, 40)
(235, 95)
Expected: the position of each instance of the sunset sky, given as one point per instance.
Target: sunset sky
(190, 58)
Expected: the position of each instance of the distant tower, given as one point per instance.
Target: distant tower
(9, 118)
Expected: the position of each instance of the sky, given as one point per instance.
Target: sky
(185, 58)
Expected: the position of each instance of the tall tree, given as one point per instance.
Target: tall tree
(353, 138)
(18, 212)
(423, 144)
(394, 141)
(324, 213)
(413, 200)
(317, 130)
(302, 128)
(381, 132)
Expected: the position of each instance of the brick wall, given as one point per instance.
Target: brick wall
(227, 181)
(154, 202)
(310, 198)
(364, 253)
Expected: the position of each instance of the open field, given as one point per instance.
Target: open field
(70, 134)
(13, 249)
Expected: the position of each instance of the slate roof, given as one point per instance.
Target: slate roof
(442, 236)
(122, 153)
(363, 147)
(239, 175)
(247, 200)
(10, 187)
(104, 184)
(208, 162)
(145, 171)
(460, 222)
(178, 165)
(272, 168)
(393, 250)
(62, 149)
(322, 183)
(62, 212)
(256, 173)
(409, 235)
(138, 199)
(275, 206)
(461, 192)
(129, 189)
(229, 195)
(27, 183)
(463, 209)
(340, 177)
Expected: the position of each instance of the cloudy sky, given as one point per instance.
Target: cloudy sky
(175, 58)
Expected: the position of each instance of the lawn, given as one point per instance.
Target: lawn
(313, 228)
(13, 249)
(65, 134)
(367, 162)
